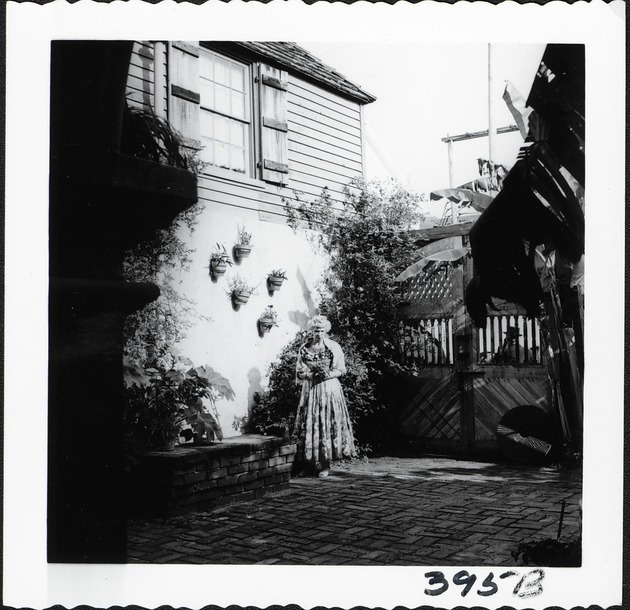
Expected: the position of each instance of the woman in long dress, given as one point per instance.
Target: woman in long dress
(322, 426)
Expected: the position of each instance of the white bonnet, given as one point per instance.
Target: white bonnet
(318, 322)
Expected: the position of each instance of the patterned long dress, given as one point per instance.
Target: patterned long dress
(322, 426)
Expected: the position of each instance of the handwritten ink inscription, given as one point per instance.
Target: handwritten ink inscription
(528, 585)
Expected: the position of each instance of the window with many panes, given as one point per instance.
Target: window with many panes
(225, 122)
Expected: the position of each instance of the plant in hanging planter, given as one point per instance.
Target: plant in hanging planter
(240, 290)
(148, 136)
(167, 401)
(244, 246)
(267, 320)
(219, 261)
(275, 279)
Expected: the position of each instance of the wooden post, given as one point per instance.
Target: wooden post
(464, 366)
(159, 86)
(491, 130)
(451, 179)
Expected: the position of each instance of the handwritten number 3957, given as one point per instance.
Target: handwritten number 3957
(528, 586)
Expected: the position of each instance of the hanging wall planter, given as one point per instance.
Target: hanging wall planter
(219, 262)
(240, 297)
(268, 319)
(240, 291)
(275, 280)
(244, 246)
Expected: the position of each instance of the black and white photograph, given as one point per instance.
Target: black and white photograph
(316, 305)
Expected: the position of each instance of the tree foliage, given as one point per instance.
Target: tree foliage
(368, 243)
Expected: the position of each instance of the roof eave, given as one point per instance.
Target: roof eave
(360, 95)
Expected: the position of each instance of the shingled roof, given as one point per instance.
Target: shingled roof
(294, 58)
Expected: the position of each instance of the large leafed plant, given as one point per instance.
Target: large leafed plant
(166, 402)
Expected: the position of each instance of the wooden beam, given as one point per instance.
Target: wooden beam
(283, 168)
(470, 135)
(425, 308)
(185, 94)
(532, 372)
(187, 47)
(276, 83)
(274, 124)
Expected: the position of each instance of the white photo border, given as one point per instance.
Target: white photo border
(28, 579)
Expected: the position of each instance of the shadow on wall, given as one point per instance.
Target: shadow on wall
(147, 58)
(298, 317)
(254, 377)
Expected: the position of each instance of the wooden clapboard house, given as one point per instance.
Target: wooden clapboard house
(265, 115)
(465, 378)
(274, 124)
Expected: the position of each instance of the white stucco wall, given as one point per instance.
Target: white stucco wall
(229, 342)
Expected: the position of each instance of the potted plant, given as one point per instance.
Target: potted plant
(151, 137)
(244, 246)
(159, 162)
(275, 280)
(267, 320)
(240, 290)
(219, 261)
(164, 402)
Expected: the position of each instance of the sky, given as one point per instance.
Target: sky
(428, 91)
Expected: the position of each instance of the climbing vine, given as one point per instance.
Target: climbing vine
(151, 333)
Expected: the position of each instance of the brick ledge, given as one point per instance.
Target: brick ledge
(199, 477)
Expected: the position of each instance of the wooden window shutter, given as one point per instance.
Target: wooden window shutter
(273, 124)
(184, 89)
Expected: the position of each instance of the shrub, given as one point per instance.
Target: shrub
(273, 411)
(549, 552)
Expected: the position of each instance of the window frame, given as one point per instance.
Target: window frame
(251, 107)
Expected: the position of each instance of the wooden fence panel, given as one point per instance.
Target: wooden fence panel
(433, 411)
(509, 339)
(426, 342)
(495, 397)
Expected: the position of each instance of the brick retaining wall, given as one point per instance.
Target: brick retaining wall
(198, 477)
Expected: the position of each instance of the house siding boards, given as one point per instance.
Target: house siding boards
(141, 77)
(324, 151)
(324, 139)
(318, 158)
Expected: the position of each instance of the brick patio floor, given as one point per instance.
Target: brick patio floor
(388, 511)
